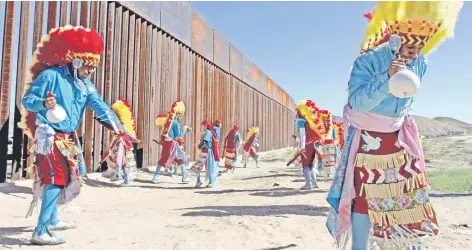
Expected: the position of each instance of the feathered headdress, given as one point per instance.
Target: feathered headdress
(327, 122)
(123, 110)
(339, 130)
(60, 47)
(425, 23)
(251, 132)
(165, 122)
(316, 118)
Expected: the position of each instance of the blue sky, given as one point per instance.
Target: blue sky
(309, 47)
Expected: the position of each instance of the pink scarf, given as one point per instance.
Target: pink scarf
(407, 138)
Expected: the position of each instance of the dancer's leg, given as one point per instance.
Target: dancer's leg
(306, 174)
(360, 231)
(199, 182)
(48, 209)
(314, 182)
(156, 174)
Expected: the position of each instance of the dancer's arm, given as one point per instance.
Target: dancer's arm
(367, 88)
(95, 102)
(33, 99)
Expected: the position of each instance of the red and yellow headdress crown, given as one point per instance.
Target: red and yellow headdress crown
(320, 121)
(426, 23)
(165, 122)
(60, 47)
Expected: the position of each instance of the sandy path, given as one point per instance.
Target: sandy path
(245, 211)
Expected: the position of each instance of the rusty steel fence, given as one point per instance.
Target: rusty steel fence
(147, 63)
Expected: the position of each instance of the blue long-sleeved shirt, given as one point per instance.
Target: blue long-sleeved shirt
(59, 81)
(368, 84)
(207, 138)
(217, 132)
(174, 131)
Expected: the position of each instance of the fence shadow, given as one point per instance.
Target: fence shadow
(229, 191)
(98, 184)
(285, 193)
(275, 210)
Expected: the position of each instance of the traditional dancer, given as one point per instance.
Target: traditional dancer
(217, 130)
(252, 141)
(172, 154)
(121, 159)
(56, 94)
(232, 141)
(311, 133)
(380, 188)
(208, 156)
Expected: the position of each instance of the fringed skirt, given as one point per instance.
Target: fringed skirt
(392, 190)
(230, 157)
(200, 163)
(128, 165)
(56, 163)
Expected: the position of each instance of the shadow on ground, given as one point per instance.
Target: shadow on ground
(285, 193)
(229, 191)
(269, 176)
(14, 189)
(169, 188)
(6, 240)
(279, 248)
(275, 210)
(98, 184)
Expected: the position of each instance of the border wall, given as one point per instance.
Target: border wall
(155, 53)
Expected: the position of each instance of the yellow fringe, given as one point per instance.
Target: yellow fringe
(393, 189)
(130, 161)
(395, 160)
(402, 217)
(69, 146)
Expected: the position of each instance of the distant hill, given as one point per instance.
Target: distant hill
(454, 122)
(434, 128)
(439, 126)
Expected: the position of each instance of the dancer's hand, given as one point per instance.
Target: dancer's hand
(50, 102)
(397, 65)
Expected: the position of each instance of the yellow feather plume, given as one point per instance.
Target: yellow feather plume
(161, 121)
(179, 108)
(123, 110)
(251, 132)
(434, 19)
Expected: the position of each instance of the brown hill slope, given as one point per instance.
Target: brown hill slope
(451, 121)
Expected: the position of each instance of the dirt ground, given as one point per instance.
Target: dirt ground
(251, 209)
